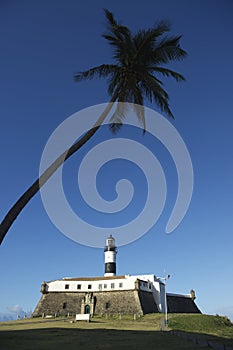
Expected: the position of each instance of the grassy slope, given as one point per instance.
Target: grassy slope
(211, 328)
(113, 333)
(213, 325)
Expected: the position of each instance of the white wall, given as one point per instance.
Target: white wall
(107, 284)
(128, 283)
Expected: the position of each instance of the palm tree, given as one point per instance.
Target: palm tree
(139, 62)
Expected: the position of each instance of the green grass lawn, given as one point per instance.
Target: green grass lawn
(204, 327)
(213, 325)
(112, 333)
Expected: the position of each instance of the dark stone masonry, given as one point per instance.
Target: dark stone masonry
(112, 302)
(177, 304)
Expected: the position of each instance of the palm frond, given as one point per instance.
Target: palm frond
(140, 113)
(169, 50)
(114, 28)
(101, 71)
(143, 38)
(163, 104)
(150, 84)
(113, 82)
(168, 72)
(154, 92)
(119, 37)
(110, 17)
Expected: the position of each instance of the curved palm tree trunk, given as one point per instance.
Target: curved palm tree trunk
(34, 188)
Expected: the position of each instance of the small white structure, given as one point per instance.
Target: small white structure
(82, 317)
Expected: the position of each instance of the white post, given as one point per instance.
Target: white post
(165, 278)
(165, 302)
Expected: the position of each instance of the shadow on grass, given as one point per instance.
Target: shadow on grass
(76, 338)
(205, 339)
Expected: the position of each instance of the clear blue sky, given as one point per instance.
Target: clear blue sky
(43, 43)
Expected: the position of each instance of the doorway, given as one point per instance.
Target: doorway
(87, 309)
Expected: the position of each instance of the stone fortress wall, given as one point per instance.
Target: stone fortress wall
(112, 302)
(109, 303)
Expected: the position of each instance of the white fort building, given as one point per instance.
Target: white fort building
(111, 294)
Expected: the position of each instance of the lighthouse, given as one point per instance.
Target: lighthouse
(110, 252)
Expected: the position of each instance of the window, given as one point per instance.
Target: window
(120, 285)
(149, 285)
(112, 285)
(67, 286)
(64, 305)
(100, 286)
(107, 305)
(79, 286)
(105, 286)
(89, 286)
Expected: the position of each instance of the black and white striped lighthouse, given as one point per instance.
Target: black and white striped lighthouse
(110, 252)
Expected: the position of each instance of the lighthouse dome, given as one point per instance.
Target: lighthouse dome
(110, 241)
